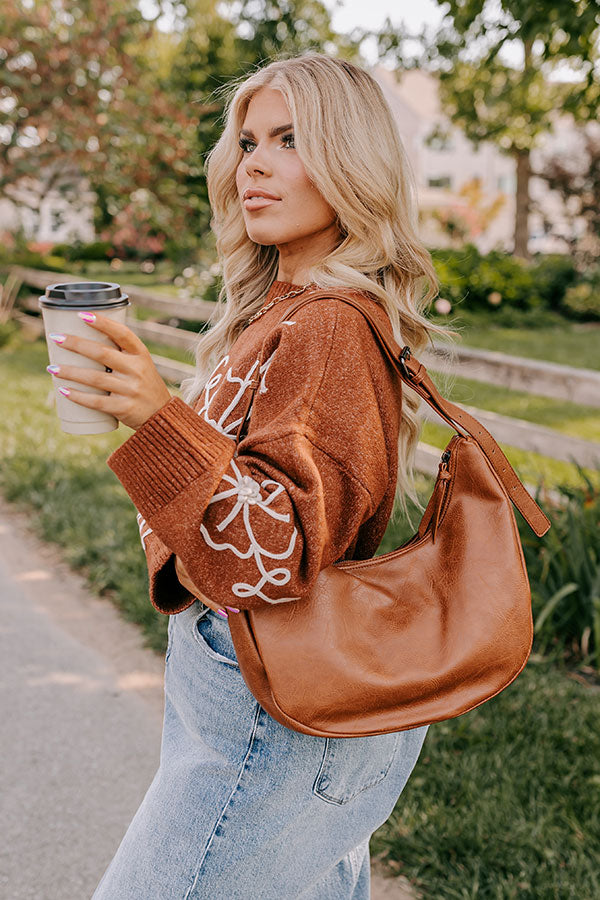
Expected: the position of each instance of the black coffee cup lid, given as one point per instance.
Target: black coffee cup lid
(84, 294)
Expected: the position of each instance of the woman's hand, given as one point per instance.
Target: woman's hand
(187, 582)
(136, 389)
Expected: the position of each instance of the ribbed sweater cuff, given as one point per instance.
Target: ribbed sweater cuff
(173, 448)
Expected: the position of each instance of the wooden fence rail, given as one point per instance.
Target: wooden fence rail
(560, 382)
(533, 376)
(194, 310)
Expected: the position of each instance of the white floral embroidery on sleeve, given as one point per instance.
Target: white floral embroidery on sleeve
(248, 493)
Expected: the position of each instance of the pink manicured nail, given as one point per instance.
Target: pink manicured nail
(232, 608)
(64, 391)
(57, 338)
(222, 613)
(54, 370)
(87, 317)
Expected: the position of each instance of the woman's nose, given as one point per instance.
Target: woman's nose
(257, 162)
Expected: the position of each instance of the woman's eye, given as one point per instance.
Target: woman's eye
(244, 144)
(288, 139)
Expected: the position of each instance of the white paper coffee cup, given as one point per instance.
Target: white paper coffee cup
(60, 306)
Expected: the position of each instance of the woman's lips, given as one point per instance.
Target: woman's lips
(253, 203)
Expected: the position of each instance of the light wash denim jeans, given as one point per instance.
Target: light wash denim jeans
(243, 808)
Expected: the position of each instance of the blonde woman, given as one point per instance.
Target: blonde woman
(309, 186)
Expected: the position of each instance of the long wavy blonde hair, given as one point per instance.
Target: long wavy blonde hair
(346, 136)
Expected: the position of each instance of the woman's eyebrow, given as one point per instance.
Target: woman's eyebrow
(272, 133)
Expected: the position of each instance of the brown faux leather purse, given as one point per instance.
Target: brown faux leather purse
(423, 633)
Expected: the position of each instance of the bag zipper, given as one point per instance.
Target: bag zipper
(444, 477)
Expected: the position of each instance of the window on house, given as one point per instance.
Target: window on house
(57, 219)
(440, 144)
(506, 183)
(441, 181)
(439, 139)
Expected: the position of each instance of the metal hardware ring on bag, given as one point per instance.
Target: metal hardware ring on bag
(405, 354)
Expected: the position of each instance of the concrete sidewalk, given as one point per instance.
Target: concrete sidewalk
(82, 703)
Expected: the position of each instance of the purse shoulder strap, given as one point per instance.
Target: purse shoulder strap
(414, 373)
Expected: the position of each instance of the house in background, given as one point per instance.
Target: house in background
(50, 216)
(444, 161)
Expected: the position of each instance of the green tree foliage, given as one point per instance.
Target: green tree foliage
(96, 90)
(269, 28)
(492, 101)
(79, 98)
(203, 58)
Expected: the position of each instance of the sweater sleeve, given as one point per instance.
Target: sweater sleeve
(258, 527)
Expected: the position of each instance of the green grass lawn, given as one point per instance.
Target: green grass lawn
(568, 343)
(129, 271)
(560, 415)
(177, 353)
(504, 801)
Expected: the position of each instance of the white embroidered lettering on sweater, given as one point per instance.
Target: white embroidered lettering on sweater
(214, 382)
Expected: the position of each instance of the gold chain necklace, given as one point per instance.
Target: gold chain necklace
(275, 299)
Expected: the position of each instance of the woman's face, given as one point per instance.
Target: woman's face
(299, 220)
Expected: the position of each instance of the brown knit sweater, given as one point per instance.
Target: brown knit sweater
(314, 478)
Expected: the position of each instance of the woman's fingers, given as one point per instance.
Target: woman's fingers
(107, 356)
(123, 336)
(137, 391)
(92, 377)
(107, 403)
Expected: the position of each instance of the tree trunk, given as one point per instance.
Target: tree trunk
(522, 205)
(523, 173)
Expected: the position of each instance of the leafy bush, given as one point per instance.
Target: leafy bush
(509, 276)
(564, 573)
(582, 301)
(96, 250)
(32, 259)
(553, 275)
(484, 282)
(502, 284)
(453, 269)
